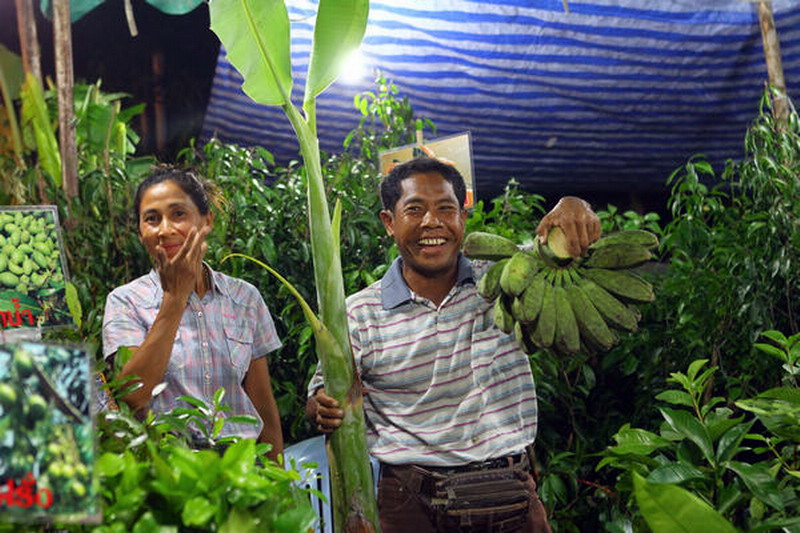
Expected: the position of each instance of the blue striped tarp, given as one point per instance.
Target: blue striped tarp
(612, 96)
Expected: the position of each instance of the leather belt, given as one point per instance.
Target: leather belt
(489, 464)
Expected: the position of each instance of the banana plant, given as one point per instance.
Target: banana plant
(256, 36)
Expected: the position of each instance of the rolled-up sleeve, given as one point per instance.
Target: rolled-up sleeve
(120, 325)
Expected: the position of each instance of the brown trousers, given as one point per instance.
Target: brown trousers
(403, 510)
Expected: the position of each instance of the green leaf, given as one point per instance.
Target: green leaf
(11, 71)
(691, 428)
(109, 465)
(218, 425)
(637, 441)
(676, 397)
(200, 404)
(728, 444)
(338, 32)
(34, 112)
(242, 419)
(74, 304)
(669, 508)
(240, 521)
(218, 396)
(674, 473)
(771, 350)
(197, 511)
(11, 78)
(147, 523)
(694, 368)
(239, 459)
(760, 482)
(256, 36)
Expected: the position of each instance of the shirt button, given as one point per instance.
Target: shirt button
(200, 313)
(205, 344)
(208, 376)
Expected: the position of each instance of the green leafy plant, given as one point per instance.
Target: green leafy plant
(701, 447)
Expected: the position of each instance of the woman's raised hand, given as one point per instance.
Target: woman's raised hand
(180, 275)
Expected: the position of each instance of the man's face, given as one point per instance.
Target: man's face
(428, 225)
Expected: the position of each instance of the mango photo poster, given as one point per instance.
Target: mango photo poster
(33, 273)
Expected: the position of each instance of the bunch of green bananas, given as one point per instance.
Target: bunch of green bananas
(549, 300)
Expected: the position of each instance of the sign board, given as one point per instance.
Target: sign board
(453, 149)
(33, 269)
(47, 443)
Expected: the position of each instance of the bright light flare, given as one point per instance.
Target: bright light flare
(354, 67)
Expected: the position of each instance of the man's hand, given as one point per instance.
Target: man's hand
(580, 224)
(324, 412)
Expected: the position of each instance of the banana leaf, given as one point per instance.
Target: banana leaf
(257, 41)
(36, 115)
(256, 37)
(11, 78)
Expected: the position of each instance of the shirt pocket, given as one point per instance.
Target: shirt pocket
(240, 347)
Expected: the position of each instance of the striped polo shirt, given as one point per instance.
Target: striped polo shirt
(444, 386)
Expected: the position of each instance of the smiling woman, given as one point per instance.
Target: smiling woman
(187, 326)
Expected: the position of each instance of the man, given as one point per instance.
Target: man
(450, 401)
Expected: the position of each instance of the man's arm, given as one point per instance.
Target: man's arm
(580, 224)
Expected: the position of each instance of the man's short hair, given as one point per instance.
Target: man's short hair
(391, 185)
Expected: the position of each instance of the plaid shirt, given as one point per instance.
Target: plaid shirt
(219, 335)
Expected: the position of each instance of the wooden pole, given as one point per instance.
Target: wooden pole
(772, 54)
(157, 62)
(28, 38)
(62, 37)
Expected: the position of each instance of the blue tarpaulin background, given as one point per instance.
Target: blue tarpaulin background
(613, 95)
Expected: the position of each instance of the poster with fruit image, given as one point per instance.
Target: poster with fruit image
(33, 272)
(47, 444)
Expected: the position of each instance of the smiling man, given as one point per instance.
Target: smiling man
(450, 401)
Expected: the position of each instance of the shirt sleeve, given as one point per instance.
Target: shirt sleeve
(265, 337)
(120, 325)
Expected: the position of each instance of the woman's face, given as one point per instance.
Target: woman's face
(166, 214)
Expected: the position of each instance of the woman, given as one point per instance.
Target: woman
(187, 326)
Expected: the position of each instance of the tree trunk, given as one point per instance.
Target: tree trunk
(772, 54)
(28, 38)
(62, 38)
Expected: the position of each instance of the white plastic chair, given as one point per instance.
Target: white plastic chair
(313, 450)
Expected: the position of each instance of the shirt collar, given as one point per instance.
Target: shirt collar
(395, 291)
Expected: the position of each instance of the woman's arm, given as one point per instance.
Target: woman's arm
(178, 276)
(258, 387)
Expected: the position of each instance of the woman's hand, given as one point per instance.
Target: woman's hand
(580, 224)
(179, 275)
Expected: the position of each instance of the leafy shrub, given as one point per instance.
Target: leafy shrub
(704, 446)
